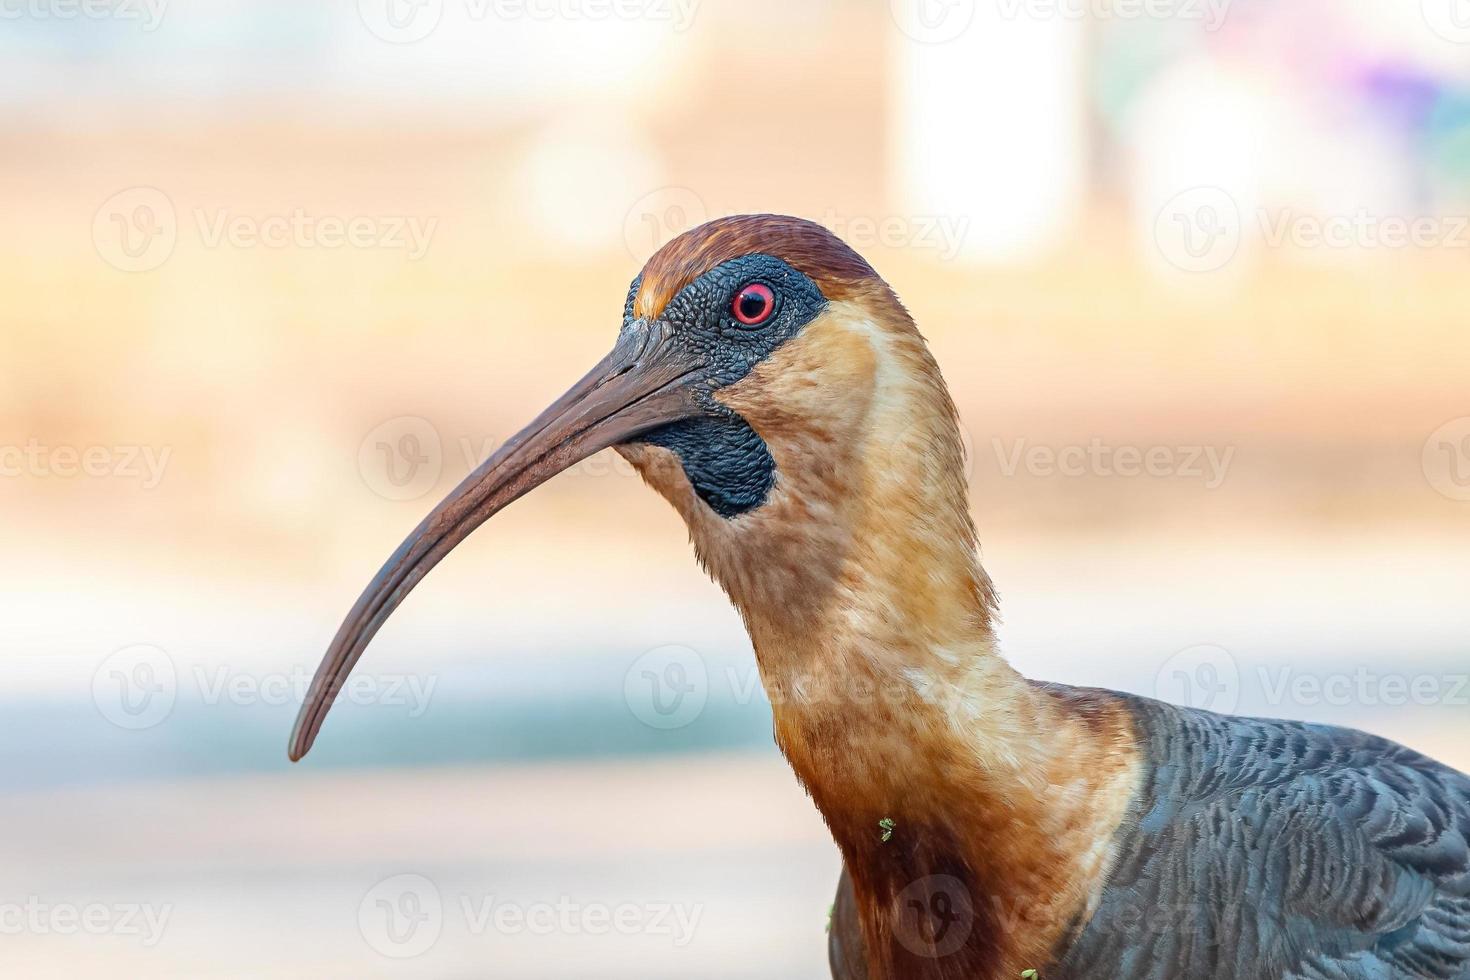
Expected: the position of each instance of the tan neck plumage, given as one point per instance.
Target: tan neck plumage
(872, 622)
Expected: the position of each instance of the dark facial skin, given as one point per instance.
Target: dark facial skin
(727, 463)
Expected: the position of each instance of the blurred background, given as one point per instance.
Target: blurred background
(276, 275)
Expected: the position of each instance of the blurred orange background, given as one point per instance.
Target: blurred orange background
(277, 275)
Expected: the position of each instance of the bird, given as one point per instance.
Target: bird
(772, 387)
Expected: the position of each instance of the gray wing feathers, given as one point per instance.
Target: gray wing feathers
(1270, 849)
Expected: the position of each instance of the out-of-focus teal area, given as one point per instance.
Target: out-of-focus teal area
(456, 717)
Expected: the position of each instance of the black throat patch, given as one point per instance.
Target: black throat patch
(728, 465)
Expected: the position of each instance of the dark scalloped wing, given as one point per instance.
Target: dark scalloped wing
(1269, 849)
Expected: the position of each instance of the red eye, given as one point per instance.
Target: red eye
(754, 304)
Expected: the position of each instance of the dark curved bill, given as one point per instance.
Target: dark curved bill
(644, 383)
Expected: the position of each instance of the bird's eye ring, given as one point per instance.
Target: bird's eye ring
(753, 305)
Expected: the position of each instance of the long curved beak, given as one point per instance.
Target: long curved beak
(645, 382)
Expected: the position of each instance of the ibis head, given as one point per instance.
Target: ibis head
(767, 382)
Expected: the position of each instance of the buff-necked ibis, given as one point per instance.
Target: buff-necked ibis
(772, 387)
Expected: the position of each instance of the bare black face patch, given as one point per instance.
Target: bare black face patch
(727, 463)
